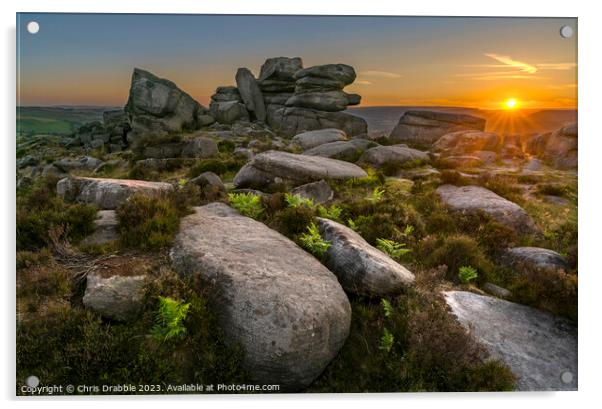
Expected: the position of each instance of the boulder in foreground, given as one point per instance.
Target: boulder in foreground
(287, 311)
(275, 167)
(473, 199)
(115, 297)
(106, 194)
(361, 268)
(540, 349)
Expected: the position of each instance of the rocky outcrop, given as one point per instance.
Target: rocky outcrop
(106, 194)
(105, 229)
(349, 151)
(319, 192)
(534, 259)
(157, 107)
(115, 297)
(311, 139)
(472, 199)
(559, 148)
(392, 156)
(286, 310)
(198, 147)
(86, 163)
(360, 268)
(321, 87)
(250, 94)
(423, 128)
(276, 167)
(540, 349)
(293, 120)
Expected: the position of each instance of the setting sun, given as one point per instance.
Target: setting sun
(511, 103)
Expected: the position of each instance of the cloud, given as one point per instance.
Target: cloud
(563, 66)
(361, 82)
(507, 60)
(379, 74)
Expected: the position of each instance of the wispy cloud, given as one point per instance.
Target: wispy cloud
(509, 61)
(379, 74)
(563, 66)
(361, 82)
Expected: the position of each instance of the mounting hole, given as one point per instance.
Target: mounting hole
(33, 27)
(566, 31)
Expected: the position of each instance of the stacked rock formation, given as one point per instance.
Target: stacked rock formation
(226, 105)
(559, 148)
(276, 80)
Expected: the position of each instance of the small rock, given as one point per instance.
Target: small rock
(497, 290)
(209, 179)
(311, 139)
(105, 229)
(319, 192)
(535, 259)
(117, 297)
(380, 156)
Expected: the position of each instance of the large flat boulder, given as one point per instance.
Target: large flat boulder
(472, 199)
(349, 151)
(361, 268)
(287, 311)
(274, 167)
(539, 348)
(423, 128)
(294, 120)
(106, 194)
(392, 156)
(157, 107)
(311, 139)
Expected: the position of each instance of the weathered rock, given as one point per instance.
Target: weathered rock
(209, 179)
(105, 229)
(360, 268)
(27, 160)
(163, 151)
(467, 142)
(310, 139)
(488, 157)
(116, 297)
(472, 199)
(157, 106)
(319, 192)
(51, 170)
(349, 151)
(496, 290)
(337, 72)
(540, 349)
(560, 148)
(274, 167)
(392, 156)
(316, 84)
(331, 101)
(293, 120)
(229, 112)
(532, 165)
(276, 98)
(200, 147)
(106, 193)
(251, 94)
(286, 310)
(280, 68)
(225, 94)
(534, 259)
(423, 128)
(463, 161)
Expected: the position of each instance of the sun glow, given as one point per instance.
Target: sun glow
(511, 103)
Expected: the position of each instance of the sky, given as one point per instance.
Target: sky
(87, 59)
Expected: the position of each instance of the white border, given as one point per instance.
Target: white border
(589, 193)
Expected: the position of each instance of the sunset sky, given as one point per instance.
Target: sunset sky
(87, 59)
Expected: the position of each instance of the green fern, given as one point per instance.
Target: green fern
(246, 203)
(387, 307)
(467, 274)
(296, 201)
(386, 341)
(377, 195)
(170, 320)
(313, 241)
(333, 212)
(352, 225)
(394, 249)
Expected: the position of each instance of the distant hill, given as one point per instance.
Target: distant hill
(381, 120)
(57, 120)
